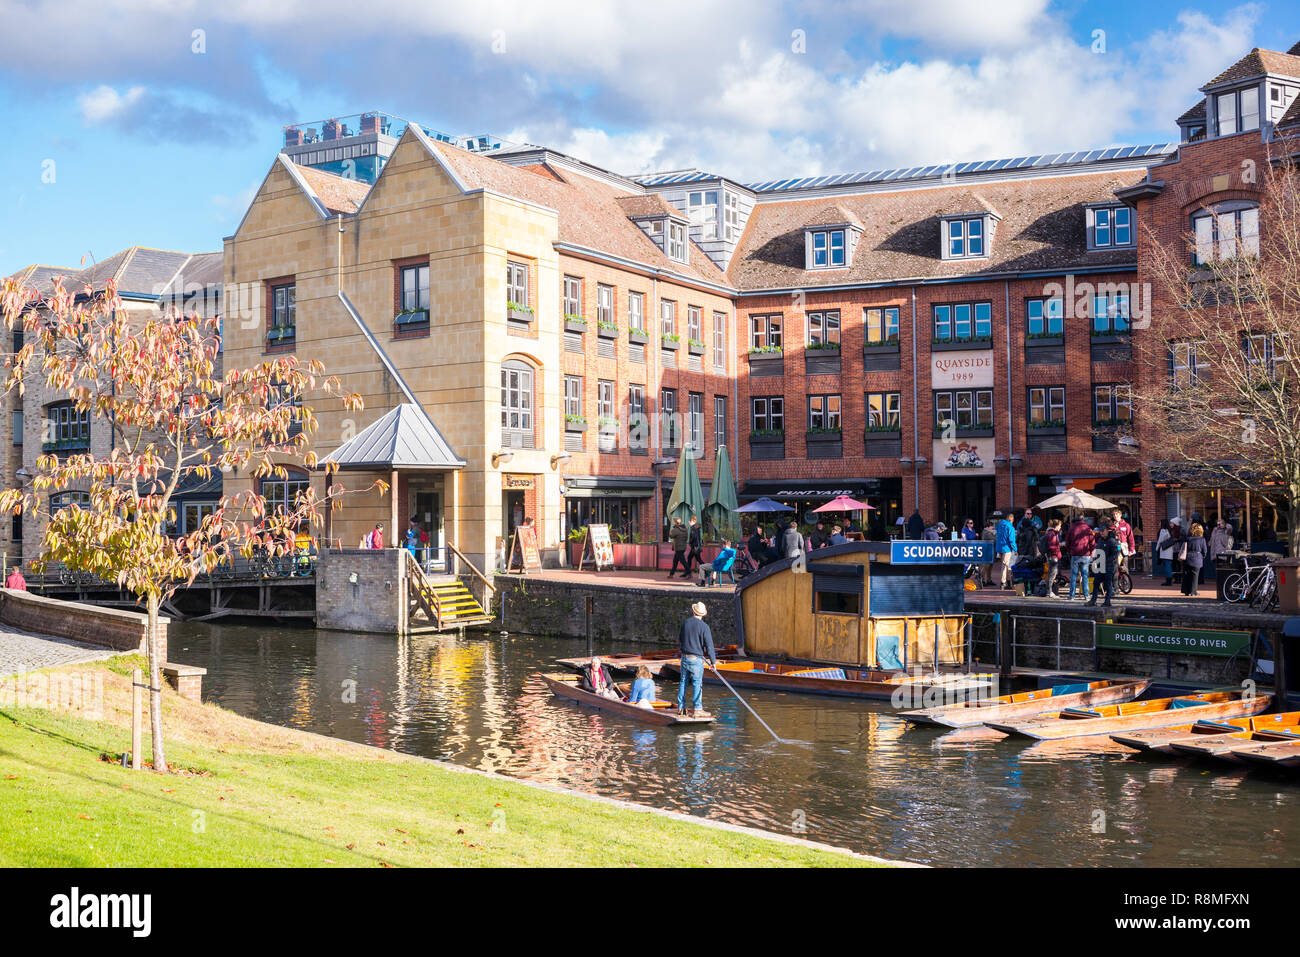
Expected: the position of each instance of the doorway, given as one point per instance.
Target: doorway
(512, 512)
(426, 508)
(962, 498)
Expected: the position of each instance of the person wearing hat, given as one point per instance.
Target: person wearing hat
(695, 643)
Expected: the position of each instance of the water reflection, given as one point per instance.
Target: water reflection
(850, 773)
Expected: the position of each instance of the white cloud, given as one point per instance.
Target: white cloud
(104, 103)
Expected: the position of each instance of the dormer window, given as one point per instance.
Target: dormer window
(965, 238)
(1237, 111)
(703, 208)
(677, 242)
(1110, 227)
(828, 249)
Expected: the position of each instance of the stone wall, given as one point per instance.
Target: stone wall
(113, 628)
(361, 590)
(621, 612)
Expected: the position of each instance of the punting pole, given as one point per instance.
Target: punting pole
(746, 704)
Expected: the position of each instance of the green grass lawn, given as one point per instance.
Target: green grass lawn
(260, 795)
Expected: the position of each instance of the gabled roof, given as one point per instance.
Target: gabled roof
(136, 269)
(835, 215)
(202, 271)
(1195, 114)
(649, 206)
(1256, 63)
(961, 202)
(337, 194)
(402, 438)
(1292, 115)
(41, 278)
(1042, 227)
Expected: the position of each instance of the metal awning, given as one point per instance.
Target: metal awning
(403, 438)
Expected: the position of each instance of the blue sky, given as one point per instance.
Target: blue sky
(127, 126)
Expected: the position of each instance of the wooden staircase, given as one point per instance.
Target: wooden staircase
(443, 600)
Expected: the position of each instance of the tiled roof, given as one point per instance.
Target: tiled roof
(649, 204)
(1042, 227)
(835, 214)
(137, 269)
(959, 201)
(1195, 113)
(590, 213)
(1292, 115)
(1259, 61)
(42, 277)
(336, 193)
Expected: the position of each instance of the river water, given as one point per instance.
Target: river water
(854, 775)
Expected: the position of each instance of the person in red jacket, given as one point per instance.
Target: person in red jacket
(1052, 550)
(16, 581)
(1123, 532)
(1079, 545)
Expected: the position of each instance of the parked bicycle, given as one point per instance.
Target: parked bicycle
(1256, 582)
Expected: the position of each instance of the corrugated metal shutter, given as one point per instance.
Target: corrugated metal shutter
(839, 579)
(925, 593)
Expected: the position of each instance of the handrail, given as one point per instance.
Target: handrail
(424, 595)
(481, 577)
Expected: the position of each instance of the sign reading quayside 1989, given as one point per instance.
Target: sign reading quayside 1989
(941, 553)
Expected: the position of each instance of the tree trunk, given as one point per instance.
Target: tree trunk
(155, 690)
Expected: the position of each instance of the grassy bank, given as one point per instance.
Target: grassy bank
(252, 794)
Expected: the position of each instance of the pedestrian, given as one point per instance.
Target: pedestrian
(820, 536)
(1163, 551)
(643, 689)
(968, 531)
(1004, 551)
(1194, 558)
(757, 546)
(1079, 543)
(1220, 540)
(793, 543)
(16, 581)
(721, 565)
(695, 539)
(1052, 551)
(1105, 564)
(695, 643)
(915, 526)
(990, 534)
(1179, 536)
(678, 535)
(1123, 535)
(1027, 535)
(837, 536)
(375, 538)
(933, 533)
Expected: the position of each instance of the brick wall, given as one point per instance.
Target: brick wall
(361, 590)
(91, 624)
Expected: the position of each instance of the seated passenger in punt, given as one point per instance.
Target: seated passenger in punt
(596, 679)
(643, 689)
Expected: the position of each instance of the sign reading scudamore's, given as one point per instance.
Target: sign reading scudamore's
(941, 553)
(954, 370)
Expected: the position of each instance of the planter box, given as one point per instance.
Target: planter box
(670, 344)
(767, 447)
(767, 364)
(1047, 430)
(695, 350)
(1038, 341)
(825, 446)
(630, 555)
(574, 325)
(574, 426)
(881, 349)
(519, 315)
(638, 335)
(967, 433)
(949, 346)
(605, 332)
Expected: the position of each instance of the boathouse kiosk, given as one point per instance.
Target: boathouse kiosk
(888, 605)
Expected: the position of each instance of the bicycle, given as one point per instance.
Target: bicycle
(1265, 596)
(1240, 585)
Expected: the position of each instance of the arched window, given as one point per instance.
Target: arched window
(61, 500)
(1226, 231)
(517, 383)
(280, 492)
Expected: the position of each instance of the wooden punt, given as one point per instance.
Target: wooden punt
(663, 713)
(1206, 743)
(1136, 715)
(976, 711)
(1274, 754)
(846, 682)
(629, 662)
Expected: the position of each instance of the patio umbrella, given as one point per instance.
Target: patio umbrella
(722, 500)
(764, 505)
(1076, 499)
(687, 498)
(843, 503)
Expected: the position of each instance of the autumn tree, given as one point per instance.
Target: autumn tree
(1221, 367)
(157, 383)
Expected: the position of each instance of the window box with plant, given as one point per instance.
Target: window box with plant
(671, 341)
(637, 335)
(575, 423)
(281, 335)
(695, 347)
(883, 432)
(1045, 338)
(606, 329)
(767, 361)
(411, 322)
(824, 442)
(519, 312)
(824, 348)
(574, 323)
(1048, 427)
(767, 436)
(881, 346)
(956, 343)
(973, 431)
(67, 445)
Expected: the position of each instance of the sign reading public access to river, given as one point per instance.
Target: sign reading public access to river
(1187, 641)
(941, 553)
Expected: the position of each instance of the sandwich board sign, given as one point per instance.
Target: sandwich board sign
(596, 537)
(524, 545)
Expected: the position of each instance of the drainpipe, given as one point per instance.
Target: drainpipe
(1011, 441)
(916, 435)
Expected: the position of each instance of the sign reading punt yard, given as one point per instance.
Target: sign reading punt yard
(941, 553)
(1187, 641)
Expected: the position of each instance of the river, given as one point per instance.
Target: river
(853, 775)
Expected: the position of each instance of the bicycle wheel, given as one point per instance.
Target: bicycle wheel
(1266, 593)
(1234, 587)
(1124, 581)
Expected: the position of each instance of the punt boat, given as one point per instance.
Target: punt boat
(1258, 730)
(663, 712)
(1274, 754)
(976, 711)
(628, 662)
(898, 686)
(1136, 715)
(1203, 734)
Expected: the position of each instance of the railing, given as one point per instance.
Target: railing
(478, 574)
(1016, 644)
(422, 591)
(235, 569)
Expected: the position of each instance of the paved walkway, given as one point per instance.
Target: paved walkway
(23, 651)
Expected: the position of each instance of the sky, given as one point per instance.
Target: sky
(153, 122)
